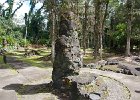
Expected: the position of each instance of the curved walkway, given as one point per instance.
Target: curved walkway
(132, 82)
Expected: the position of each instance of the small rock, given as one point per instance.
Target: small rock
(95, 96)
(91, 65)
(102, 63)
(84, 78)
(112, 62)
(136, 58)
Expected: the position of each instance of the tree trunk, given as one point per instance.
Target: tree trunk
(102, 22)
(25, 37)
(53, 36)
(85, 27)
(88, 42)
(129, 26)
(26, 30)
(100, 17)
(97, 27)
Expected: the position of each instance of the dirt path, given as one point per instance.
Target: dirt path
(132, 82)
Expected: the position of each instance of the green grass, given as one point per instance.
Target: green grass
(34, 60)
(88, 59)
(1, 59)
(6, 66)
(39, 62)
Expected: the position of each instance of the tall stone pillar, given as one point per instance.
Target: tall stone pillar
(68, 58)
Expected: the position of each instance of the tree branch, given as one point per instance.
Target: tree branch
(16, 9)
(40, 7)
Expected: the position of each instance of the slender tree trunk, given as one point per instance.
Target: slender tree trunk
(97, 27)
(129, 26)
(53, 36)
(128, 44)
(26, 31)
(102, 28)
(85, 27)
(100, 17)
(92, 42)
(25, 37)
(101, 46)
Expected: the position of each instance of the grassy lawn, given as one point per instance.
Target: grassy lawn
(89, 57)
(40, 61)
(35, 60)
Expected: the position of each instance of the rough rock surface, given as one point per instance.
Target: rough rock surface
(112, 62)
(101, 63)
(89, 86)
(91, 65)
(67, 50)
(130, 69)
(84, 78)
(115, 89)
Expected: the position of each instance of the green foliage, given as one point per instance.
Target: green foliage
(8, 30)
(21, 42)
(120, 32)
(36, 28)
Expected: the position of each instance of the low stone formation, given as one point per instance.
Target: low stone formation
(68, 58)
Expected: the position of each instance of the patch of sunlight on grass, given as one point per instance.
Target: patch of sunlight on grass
(32, 57)
(44, 52)
(35, 59)
(17, 52)
(88, 58)
(89, 49)
(38, 63)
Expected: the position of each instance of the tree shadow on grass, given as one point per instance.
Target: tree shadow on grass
(35, 89)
